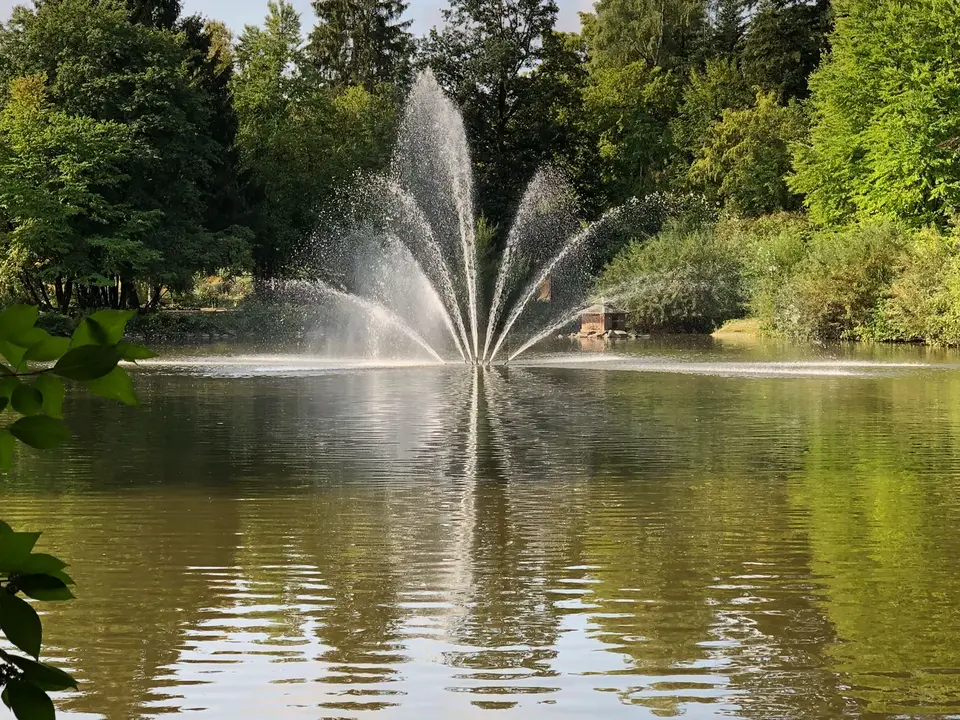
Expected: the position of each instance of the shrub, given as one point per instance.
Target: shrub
(770, 248)
(686, 279)
(924, 299)
(834, 291)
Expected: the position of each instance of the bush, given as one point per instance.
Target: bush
(686, 279)
(834, 291)
(770, 248)
(924, 299)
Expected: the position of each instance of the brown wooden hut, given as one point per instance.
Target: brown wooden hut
(601, 318)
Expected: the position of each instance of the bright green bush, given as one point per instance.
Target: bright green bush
(770, 247)
(834, 291)
(686, 279)
(923, 303)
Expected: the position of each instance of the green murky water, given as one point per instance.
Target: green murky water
(659, 530)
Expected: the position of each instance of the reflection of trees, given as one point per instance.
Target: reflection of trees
(882, 537)
(784, 546)
(123, 637)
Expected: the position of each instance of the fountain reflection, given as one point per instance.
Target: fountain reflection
(441, 541)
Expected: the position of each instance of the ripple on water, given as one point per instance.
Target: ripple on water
(544, 542)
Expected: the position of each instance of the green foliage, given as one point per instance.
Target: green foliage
(300, 144)
(685, 279)
(886, 115)
(770, 247)
(747, 155)
(631, 109)
(35, 392)
(834, 290)
(361, 42)
(783, 45)
(656, 33)
(923, 302)
(517, 83)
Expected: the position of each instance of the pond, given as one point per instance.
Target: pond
(649, 530)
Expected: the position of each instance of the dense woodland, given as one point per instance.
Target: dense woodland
(141, 148)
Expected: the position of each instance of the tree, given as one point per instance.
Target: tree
(885, 140)
(35, 365)
(502, 62)
(728, 21)
(719, 86)
(631, 109)
(747, 155)
(299, 144)
(783, 45)
(101, 65)
(361, 42)
(59, 176)
(658, 33)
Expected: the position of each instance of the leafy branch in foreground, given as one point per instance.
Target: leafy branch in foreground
(32, 387)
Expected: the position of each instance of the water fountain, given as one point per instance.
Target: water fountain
(413, 270)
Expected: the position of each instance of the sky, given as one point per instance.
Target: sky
(237, 13)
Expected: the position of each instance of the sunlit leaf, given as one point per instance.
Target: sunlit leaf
(87, 362)
(20, 623)
(113, 322)
(40, 431)
(29, 702)
(16, 319)
(12, 353)
(43, 676)
(116, 386)
(46, 350)
(132, 352)
(15, 548)
(52, 389)
(27, 400)
(44, 587)
(89, 332)
(29, 337)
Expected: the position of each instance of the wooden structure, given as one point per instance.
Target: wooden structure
(602, 318)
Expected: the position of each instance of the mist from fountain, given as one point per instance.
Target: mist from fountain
(414, 257)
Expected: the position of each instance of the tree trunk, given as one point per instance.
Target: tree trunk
(64, 291)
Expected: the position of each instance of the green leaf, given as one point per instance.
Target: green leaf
(29, 337)
(29, 702)
(113, 322)
(132, 352)
(43, 676)
(12, 353)
(8, 384)
(116, 386)
(43, 587)
(51, 387)
(89, 332)
(15, 548)
(4, 528)
(5, 696)
(88, 362)
(8, 445)
(20, 623)
(46, 350)
(16, 319)
(40, 431)
(27, 400)
(41, 563)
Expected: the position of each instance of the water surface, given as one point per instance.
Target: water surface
(656, 529)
